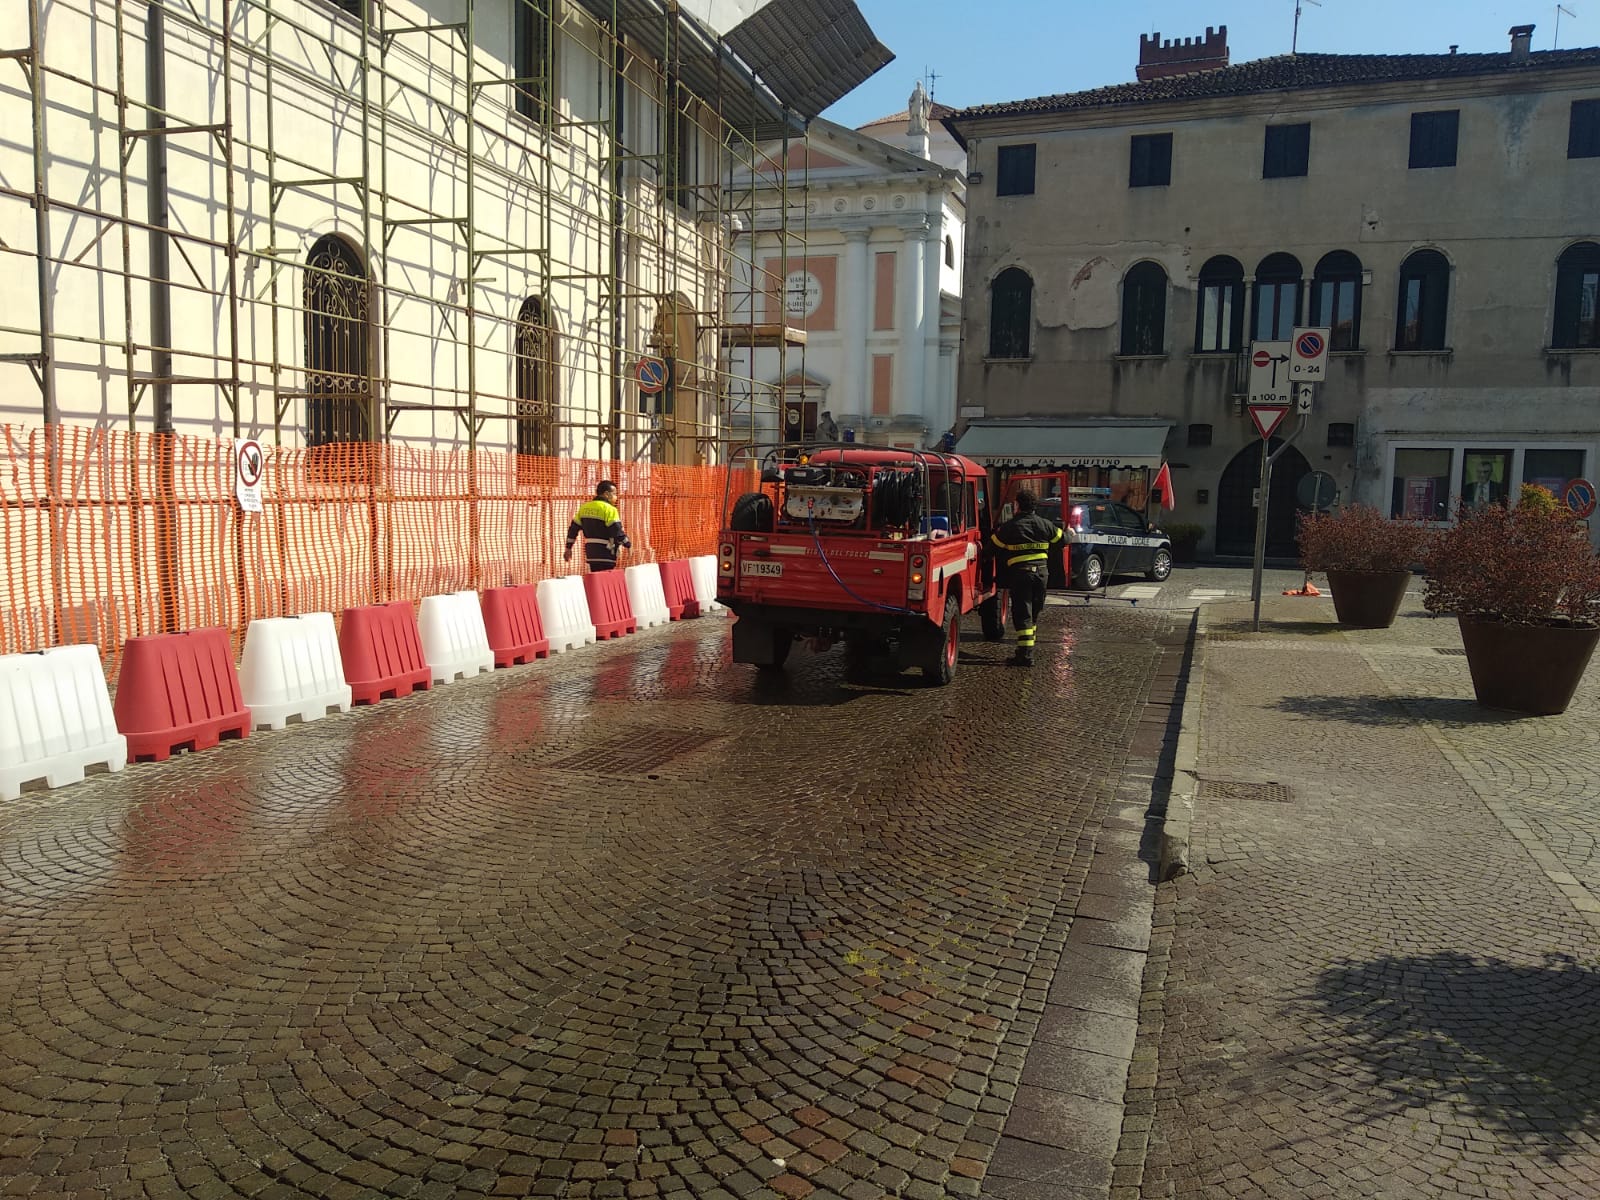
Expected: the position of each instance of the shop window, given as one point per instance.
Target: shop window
(1552, 469)
(1433, 138)
(1341, 434)
(1287, 152)
(1199, 435)
(1219, 323)
(1144, 309)
(1336, 299)
(1583, 131)
(1014, 170)
(1421, 484)
(1577, 318)
(1010, 314)
(1150, 160)
(1277, 297)
(1423, 301)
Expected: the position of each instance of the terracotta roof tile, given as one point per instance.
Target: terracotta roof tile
(1287, 72)
(936, 111)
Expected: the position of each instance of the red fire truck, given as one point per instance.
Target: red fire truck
(878, 548)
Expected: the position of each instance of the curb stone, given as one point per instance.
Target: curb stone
(1178, 822)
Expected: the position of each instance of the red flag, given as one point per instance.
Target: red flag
(1162, 489)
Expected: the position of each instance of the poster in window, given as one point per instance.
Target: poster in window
(1420, 492)
(1483, 478)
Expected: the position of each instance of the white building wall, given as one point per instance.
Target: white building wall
(414, 149)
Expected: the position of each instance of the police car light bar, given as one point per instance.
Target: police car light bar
(1088, 493)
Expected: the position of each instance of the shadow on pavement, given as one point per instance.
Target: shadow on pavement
(1517, 1046)
(1270, 625)
(1386, 711)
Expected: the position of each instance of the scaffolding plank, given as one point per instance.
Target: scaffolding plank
(759, 337)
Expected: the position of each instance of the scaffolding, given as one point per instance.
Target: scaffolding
(568, 217)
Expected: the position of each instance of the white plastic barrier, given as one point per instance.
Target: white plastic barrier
(291, 668)
(55, 718)
(646, 596)
(703, 570)
(564, 613)
(454, 640)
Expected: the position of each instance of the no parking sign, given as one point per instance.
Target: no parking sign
(1579, 496)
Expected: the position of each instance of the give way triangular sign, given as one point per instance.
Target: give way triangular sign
(1268, 417)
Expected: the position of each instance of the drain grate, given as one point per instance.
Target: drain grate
(1449, 650)
(635, 752)
(1240, 789)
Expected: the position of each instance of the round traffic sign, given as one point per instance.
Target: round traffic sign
(1317, 490)
(1262, 358)
(651, 373)
(1579, 497)
(1309, 345)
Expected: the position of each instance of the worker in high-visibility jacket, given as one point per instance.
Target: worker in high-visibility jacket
(599, 523)
(1022, 546)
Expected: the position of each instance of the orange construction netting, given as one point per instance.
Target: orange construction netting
(109, 534)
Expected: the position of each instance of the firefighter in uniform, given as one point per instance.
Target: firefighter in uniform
(1022, 545)
(601, 526)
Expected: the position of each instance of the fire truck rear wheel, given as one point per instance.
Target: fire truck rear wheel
(940, 669)
(782, 641)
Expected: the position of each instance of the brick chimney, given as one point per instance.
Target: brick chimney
(1180, 56)
(1521, 42)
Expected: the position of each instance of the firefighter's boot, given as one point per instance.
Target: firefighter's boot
(1024, 655)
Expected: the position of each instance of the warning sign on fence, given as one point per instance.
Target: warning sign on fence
(250, 463)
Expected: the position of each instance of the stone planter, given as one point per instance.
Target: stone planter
(1526, 668)
(1368, 599)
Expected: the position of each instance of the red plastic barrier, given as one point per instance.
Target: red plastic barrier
(511, 617)
(609, 607)
(677, 584)
(179, 691)
(382, 652)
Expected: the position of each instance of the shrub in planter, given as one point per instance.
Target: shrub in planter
(1185, 539)
(1524, 584)
(1367, 559)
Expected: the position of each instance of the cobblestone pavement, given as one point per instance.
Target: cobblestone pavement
(630, 922)
(1380, 978)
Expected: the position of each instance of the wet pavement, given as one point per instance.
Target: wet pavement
(629, 922)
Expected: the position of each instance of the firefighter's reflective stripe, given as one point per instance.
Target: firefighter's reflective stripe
(1018, 553)
(1025, 637)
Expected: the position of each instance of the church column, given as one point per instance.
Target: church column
(854, 394)
(910, 364)
(933, 405)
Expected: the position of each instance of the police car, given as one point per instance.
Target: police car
(1105, 538)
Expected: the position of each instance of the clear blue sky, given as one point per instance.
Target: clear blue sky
(987, 51)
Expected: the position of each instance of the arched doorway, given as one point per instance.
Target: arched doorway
(1236, 515)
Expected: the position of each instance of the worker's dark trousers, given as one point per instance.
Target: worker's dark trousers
(1026, 585)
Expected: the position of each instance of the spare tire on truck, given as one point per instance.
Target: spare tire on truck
(752, 513)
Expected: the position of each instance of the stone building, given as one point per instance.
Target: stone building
(1438, 212)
